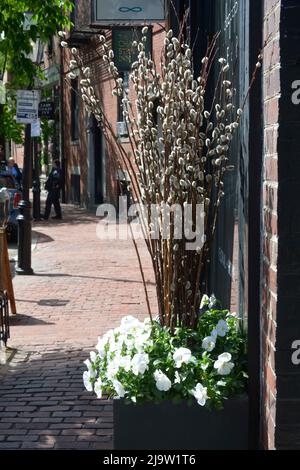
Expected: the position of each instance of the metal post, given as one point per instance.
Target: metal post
(36, 184)
(62, 125)
(24, 218)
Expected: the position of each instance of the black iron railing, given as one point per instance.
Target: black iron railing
(4, 317)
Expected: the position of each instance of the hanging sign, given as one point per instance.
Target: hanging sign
(122, 39)
(27, 106)
(129, 11)
(36, 128)
(46, 109)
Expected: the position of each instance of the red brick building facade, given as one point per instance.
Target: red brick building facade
(91, 176)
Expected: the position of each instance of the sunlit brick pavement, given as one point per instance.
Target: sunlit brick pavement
(82, 286)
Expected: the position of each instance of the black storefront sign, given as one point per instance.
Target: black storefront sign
(124, 53)
(46, 109)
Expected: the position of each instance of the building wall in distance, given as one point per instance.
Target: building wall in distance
(76, 153)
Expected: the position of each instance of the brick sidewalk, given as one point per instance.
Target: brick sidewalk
(82, 287)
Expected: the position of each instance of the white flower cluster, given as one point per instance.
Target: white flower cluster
(221, 330)
(133, 337)
(124, 355)
(223, 364)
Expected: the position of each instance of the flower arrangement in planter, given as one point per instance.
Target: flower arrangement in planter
(144, 361)
(149, 370)
(180, 137)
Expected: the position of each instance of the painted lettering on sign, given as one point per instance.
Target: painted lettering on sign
(296, 93)
(296, 353)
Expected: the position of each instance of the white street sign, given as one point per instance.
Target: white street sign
(36, 128)
(27, 106)
(129, 10)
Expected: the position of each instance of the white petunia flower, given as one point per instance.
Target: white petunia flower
(223, 364)
(222, 328)
(221, 383)
(177, 377)
(204, 301)
(93, 356)
(139, 363)
(119, 389)
(98, 388)
(89, 366)
(101, 347)
(200, 393)
(209, 343)
(163, 383)
(125, 362)
(182, 356)
(129, 323)
(214, 333)
(212, 301)
(87, 381)
(112, 369)
(141, 341)
(129, 342)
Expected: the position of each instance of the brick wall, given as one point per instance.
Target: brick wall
(271, 87)
(280, 319)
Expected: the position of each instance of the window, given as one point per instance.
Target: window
(74, 109)
(121, 124)
(50, 46)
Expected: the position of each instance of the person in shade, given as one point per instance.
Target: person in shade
(15, 171)
(53, 186)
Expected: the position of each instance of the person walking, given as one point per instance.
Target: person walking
(15, 171)
(53, 186)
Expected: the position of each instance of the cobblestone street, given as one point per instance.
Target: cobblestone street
(82, 287)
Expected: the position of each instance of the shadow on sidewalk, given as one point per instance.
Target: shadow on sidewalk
(92, 277)
(46, 302)
(42, 237)
(71, 216)
(45, 405)
(26, 319)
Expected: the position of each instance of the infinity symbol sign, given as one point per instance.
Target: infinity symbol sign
(128, 9)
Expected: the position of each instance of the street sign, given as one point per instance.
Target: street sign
(46, 109)
(36, 128)
(27, 106)
(128, 11)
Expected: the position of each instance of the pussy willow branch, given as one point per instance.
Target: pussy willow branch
(181, 167)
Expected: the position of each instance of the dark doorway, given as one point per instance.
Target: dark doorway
(98, 161)
(75, 189)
